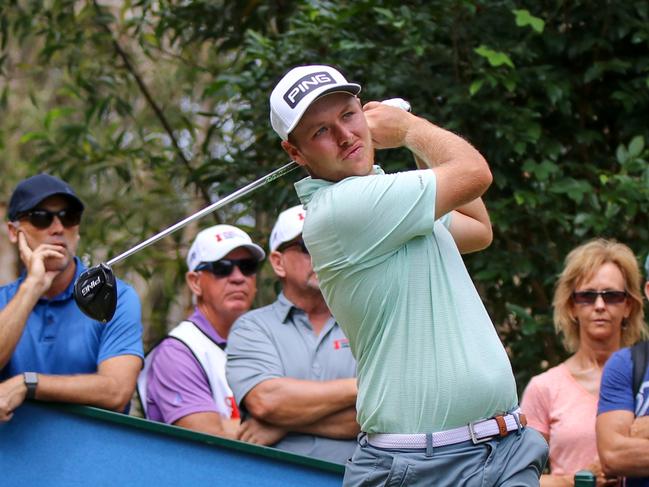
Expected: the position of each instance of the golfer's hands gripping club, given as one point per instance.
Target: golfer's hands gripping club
(389, 122)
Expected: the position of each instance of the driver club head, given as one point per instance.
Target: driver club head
(95, 292)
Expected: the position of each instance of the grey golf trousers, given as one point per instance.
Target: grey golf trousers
(517, 459)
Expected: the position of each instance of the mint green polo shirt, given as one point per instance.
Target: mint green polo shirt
(428, 356)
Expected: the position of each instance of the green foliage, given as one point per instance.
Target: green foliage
(555, 94)
(524, 18)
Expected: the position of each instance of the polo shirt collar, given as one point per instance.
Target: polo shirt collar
(201, 321)
(284, 307)
(308, 186)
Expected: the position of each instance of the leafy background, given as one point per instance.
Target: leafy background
(153, 109)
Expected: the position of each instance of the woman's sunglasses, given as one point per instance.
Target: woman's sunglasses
(589, 297)
(225, 267)
(42, 219)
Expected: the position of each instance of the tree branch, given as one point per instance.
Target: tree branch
(154, 106)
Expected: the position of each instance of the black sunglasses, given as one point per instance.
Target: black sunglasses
(40, 218)
(589, 297)
(288, 245)
(225, 267)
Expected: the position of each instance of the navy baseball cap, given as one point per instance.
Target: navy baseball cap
(31, 191)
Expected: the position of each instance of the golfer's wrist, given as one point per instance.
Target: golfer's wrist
(418, 135)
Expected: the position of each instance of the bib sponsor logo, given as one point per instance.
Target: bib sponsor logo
(306, 85)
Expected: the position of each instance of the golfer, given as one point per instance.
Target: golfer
(437, 401)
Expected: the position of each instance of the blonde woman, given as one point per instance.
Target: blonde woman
(598, 309)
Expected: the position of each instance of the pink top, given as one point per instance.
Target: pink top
(557, 406)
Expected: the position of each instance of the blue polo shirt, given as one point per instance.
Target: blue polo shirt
(59, 339)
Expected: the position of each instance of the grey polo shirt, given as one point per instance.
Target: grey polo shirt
(278, 341)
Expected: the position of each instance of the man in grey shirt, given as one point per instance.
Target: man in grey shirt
(289, 364)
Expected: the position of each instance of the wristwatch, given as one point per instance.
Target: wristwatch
(31, 381)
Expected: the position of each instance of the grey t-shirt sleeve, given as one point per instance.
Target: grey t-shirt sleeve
(252, 358)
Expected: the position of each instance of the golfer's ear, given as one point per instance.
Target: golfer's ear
(293, 152)
(192, 279)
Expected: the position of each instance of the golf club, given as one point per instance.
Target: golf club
(95, 291)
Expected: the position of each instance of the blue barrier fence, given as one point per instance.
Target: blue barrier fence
(64, 445)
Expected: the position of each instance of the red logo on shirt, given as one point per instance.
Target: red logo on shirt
(233, 404)
(342, 343)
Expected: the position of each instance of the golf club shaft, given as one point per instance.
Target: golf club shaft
(396, 102)
(208, 209)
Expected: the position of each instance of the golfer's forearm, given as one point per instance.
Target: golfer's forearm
(475, 209)
(434, 146)
(293, 402)
(470, 235)
(339, 426)
(91, 389)
(461, 172)
(14, 316)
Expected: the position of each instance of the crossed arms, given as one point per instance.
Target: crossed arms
(623, 443)
(282, 405)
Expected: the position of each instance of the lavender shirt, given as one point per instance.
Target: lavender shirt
(176, 383)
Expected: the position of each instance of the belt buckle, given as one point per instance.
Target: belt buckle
(472, 433)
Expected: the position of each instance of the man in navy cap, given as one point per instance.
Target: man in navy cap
(50, 350)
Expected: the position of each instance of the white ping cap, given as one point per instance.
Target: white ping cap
(298, 89)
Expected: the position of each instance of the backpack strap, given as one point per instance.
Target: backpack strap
(640, 358)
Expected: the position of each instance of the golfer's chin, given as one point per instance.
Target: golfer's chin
(362, 170)
(364, 167)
